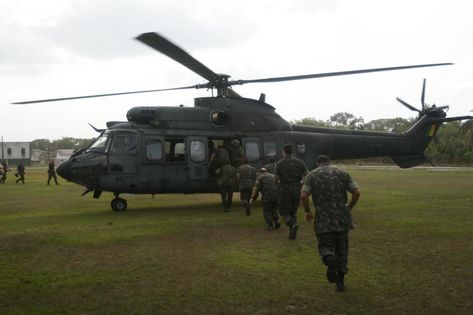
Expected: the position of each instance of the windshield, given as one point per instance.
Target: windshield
(100, 145)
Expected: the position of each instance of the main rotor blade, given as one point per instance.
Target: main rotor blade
(407, 105)
(423, 95)
(333, 74)
(176, 53)
(102, 95)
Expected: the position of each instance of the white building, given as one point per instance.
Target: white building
(63, 155)
(15, 152)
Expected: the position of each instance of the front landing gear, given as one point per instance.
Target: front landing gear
(118, 204)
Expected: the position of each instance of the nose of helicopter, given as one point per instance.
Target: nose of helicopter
(65, 169)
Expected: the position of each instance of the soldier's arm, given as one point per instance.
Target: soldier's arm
(305, 193)
(354, 189)
(355, 196)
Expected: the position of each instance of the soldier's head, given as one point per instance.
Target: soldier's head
(262, 170)
(323, 160)
(287, 150)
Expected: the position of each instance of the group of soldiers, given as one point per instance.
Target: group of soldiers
(283, 184)
(20, 173)
(279, 184)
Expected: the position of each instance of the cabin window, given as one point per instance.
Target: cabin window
(154, 150)
(252, 151)
(100, 145)
(23, 151)
(124, 144)
(175, 150)
(269, 149)
(8, 151)
(300, 148)
(198, 151)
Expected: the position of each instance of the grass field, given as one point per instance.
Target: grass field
(181, 254)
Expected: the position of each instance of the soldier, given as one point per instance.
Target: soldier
(266, 184)
(219, 159)
(20, 173)
(236, 151)
(246, 177)
(52, 173)
(226, 181)
(5, 171)
(271, 166)
(1, 172)
(328, 186)
(289, 174)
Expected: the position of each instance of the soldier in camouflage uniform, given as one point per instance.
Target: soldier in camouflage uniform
(329, 186)
(246, 176)
(289, 173)
(226, 182)
(266, 184)
(271, 166)
(220, 157)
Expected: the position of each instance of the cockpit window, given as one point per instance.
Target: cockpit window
(100, 145)
(123, 144)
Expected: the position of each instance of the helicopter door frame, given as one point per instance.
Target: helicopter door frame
(198, 160)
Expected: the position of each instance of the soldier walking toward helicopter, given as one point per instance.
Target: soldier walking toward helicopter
(289, 173)
(329, 186)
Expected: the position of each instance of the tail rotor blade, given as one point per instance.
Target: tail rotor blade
(408, 105)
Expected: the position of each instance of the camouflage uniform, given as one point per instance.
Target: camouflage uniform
(290, 172)
(236, 153)
(227, 182)
(219, 159)
(21, 173)
(266, 184)
(271, 167)
(5, 171)
(51, 173)
(329, 186)
(246, 175)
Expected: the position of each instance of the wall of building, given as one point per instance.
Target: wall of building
(15, 152)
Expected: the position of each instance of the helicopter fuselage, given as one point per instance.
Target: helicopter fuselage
(169, 149)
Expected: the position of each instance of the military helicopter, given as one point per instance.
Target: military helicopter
(163, 150)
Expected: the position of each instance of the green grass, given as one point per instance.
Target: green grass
(61, 253)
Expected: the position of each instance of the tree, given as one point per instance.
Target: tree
(396, 125)
(311, 122)
(346, 120)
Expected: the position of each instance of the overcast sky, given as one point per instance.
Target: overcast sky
(57, 48)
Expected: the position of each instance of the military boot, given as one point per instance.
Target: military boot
(331, 263)
(248, 209)
(293, 231)
(340, 282)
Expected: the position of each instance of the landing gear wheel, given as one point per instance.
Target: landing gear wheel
(119, 204)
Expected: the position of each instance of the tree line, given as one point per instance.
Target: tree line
(453, 143)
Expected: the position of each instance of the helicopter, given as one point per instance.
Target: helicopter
(162, 149)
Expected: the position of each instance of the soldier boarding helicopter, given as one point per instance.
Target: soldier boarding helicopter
(163, 150)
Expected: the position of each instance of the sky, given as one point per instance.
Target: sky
(60, 48)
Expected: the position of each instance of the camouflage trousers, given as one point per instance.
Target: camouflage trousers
(335, 244)
(50, 176)
(270, 211)
(245, 195)
(289, 199)
(226, 193)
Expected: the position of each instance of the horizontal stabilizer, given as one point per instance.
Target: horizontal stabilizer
(406, 161)
(453, 118)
